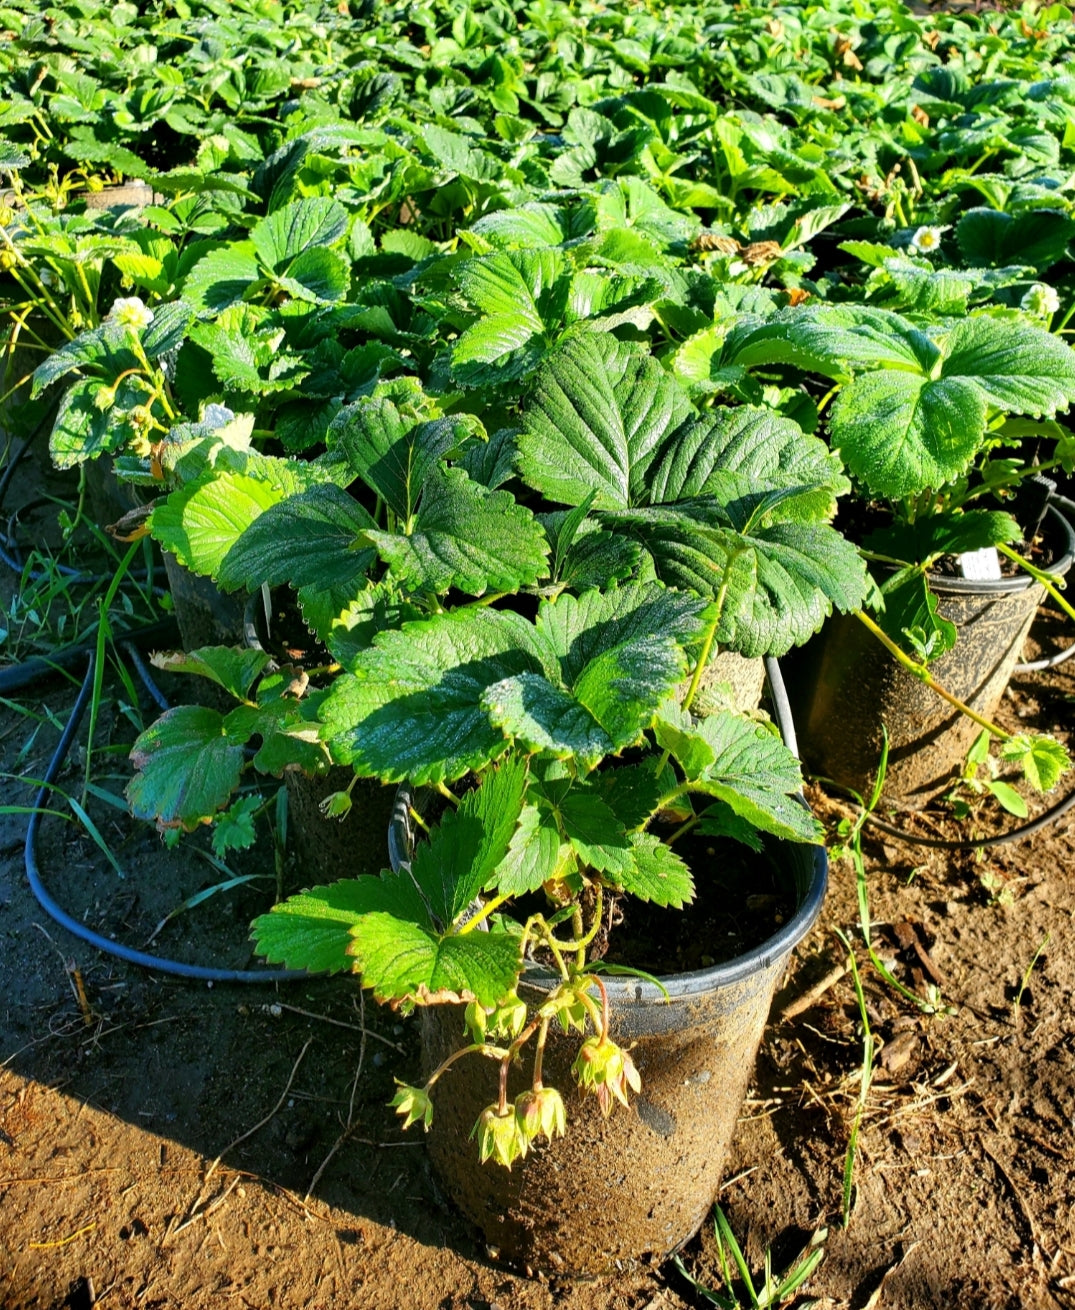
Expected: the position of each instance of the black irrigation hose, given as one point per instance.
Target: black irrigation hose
(142, 669)
(1061, 657)
(33, 876)
(16, 676)
(1015, 834)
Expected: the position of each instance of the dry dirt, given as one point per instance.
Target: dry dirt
(166, 1144)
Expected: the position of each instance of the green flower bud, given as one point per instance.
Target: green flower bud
(413, 1103)
(103, 399)
(540, 1111)
(499, 1136)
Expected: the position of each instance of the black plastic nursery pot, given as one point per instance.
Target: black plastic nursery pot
(845, 687)
(206, 615)
(637, 1185)
(322, 848)
(326, 849)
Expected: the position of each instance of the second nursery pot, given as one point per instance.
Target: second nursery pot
(846, 688)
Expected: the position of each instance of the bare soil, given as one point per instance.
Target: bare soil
(167, 1144)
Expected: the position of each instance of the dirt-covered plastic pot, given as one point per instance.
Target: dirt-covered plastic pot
(845, 687)
(639, 1184)
(206, 615)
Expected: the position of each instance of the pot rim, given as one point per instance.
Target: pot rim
(697, 982)
(943, 584)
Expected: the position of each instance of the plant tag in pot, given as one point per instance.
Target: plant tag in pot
(980, 565)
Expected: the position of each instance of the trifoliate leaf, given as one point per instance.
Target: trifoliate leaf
(466, 537)
(1042, 758)
(413, 705)
(315, 538)
(187, 767)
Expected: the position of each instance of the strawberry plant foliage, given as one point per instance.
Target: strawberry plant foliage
(732, 505)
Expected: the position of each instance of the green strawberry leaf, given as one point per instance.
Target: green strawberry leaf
(1043, 759)
(392, 456)
(756, 775)
(315, 538)
(292, 230)
(312, 930)
(188, 765)
(202, 520)
(1015, 366)
(412, 706)
(598, 413)
(655, 873)
(229, 667)
(464, 850)
(466, 537)
(899, 432)
(404, 962)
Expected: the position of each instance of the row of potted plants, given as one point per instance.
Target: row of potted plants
(534, 359)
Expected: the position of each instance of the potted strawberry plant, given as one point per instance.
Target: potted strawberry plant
(939, 424)
(531, 656)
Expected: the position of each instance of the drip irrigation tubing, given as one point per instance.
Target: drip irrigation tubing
(982, 843)
(17, 676)
(1061, 657)
(196, 972)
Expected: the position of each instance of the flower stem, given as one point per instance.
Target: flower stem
(923, 674)
(1047, 580)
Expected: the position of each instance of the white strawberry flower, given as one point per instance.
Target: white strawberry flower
(131, 311)
(1041, 301)
(926, 240)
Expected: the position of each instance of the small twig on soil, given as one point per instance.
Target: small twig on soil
(338, 1023)
(262, 1122)
(195, 1211)
(814, 994)
(738, 1178)
(350, 1124)
(923, 1101)
(875, 1297)
(1037, 1246)
(204, 1214)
